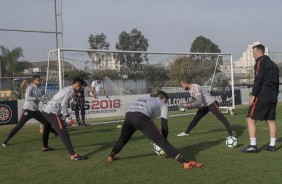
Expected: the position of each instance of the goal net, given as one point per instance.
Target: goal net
(129, 75)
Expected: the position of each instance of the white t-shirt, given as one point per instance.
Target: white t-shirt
(32, 92)
(60, 101)
(150, 106)
(197, 90)
(98, 88)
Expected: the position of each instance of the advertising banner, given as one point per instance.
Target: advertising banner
(223, 97)
(8, 112)
(107, 107)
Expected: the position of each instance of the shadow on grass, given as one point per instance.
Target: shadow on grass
(277, 148)
(85, 130)
(191, 151)
(238, 130)
(137, 156)
(108, 145)
(33, 140)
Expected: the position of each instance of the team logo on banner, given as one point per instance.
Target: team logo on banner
(5, 113)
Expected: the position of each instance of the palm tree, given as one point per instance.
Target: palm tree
(9, 61)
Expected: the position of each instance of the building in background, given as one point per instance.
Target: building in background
(244, 66)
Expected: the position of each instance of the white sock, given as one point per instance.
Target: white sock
(253, 141)
(272, 141)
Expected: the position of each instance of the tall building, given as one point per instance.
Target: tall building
(244, 66)
(247, 60)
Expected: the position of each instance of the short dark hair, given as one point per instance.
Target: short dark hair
(35, 77)
(260, 47)
(78, 80)
(162, 95)
(187, 80)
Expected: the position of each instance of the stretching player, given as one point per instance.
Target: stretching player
(57, 110)
(33, 96)
(200, 97)
(139, 117)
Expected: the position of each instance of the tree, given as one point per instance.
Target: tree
(10, 64)
(21, 66)
(197, 67)
(98, 42)
(204, 45)
(133, 41)
(221, 81)
(71, 74)
(108, 74)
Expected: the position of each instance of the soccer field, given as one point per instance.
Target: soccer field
(24, 162)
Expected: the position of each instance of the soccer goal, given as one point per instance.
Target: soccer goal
(129, 75)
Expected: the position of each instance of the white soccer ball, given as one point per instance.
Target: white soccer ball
(182, 107)
(231, 142)
(69, 122)
(158, 150)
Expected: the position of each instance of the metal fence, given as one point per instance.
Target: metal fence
(244, 73)
(29, 29)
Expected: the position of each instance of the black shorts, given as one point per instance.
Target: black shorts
(262, 110)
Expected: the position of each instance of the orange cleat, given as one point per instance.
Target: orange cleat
(191, 164)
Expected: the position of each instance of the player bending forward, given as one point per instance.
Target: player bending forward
(139, 117)
(200, 97)
(56, 110)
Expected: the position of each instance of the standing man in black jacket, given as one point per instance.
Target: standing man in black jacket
(263, 100)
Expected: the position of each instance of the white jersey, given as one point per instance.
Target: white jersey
(197, 90)
(98, 88)
(60, 101)
(150, 106)
(32, 94)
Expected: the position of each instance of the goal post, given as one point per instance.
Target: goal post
(129, 75)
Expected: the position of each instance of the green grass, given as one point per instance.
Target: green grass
(24, 162)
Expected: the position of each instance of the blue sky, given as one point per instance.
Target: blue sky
(173, 25)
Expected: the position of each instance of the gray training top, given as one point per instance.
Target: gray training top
(59, 102)
(33, 94)
(199, 96)
(150, 106)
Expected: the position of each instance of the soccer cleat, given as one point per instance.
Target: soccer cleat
(191, 164)
(78, 157)
(270, 148)
(182, 134)
(250, 149)
(4, 145)
(48, 149)
(111, 158)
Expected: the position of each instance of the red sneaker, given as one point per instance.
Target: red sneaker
(191, 164)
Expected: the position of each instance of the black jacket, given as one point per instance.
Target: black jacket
(266, 82)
